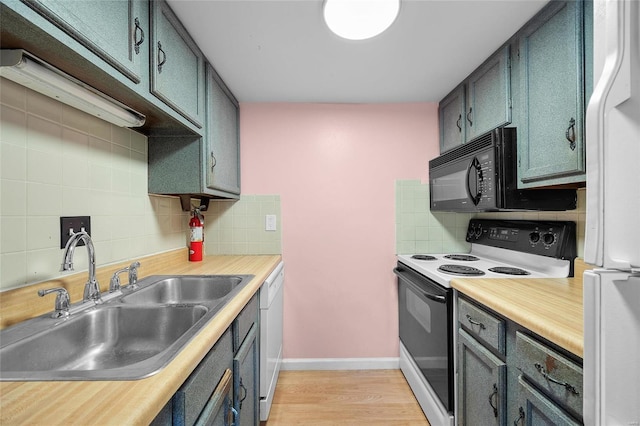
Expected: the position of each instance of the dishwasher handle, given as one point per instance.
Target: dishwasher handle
(401, 273)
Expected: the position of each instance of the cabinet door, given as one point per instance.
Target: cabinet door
(481, 384)
(536, 409)
(451, 112)
(222, 142)
(177, 65)
(219, 411)
(115, 30)
(245, 377)
(196, 392)
(551, 135)
(488, 99)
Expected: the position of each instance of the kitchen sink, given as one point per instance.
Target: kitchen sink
(184, 289)
(131, 336)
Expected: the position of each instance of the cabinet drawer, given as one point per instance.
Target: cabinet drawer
(194, 394)
(552, 372)
(482, 325)
(245, 320)
(536, 409)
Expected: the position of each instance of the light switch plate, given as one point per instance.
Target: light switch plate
(76, 223)
(270, 222)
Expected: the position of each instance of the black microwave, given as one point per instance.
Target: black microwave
(481, 176)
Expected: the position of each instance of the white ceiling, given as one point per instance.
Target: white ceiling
(282, 51)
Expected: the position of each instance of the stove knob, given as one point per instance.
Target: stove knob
(478, 232)
(549, 238)
(470, 233)
(534, 237)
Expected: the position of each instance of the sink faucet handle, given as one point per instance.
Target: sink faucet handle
(62, 301)
(114, 284)
(133, 273)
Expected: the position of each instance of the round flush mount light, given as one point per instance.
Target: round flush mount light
(360, 19)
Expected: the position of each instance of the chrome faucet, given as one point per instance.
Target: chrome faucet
(91, 288)
(62, 301)
(133, 274)
(114, 284)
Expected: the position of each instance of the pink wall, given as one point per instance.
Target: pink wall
(335, 167)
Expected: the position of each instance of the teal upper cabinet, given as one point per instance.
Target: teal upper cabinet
(114, 30)
(177, 65)
(201, 167)
(451, 113)
(222, 144)
(480, 103)
(489, 95)
(551, 98)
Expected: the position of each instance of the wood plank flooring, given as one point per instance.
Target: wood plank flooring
(353, 397)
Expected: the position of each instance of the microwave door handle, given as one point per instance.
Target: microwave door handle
(475, 196)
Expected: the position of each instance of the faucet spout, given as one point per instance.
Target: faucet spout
(91, 288)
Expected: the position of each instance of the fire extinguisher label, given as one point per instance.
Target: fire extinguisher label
(196, 234)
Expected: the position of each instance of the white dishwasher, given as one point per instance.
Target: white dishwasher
(271, 307)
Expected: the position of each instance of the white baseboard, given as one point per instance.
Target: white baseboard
(340, 364)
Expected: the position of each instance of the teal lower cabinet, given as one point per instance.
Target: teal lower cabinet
(482, 391)
(223, 390)
(534, 408)
(246, 386)
(525, 381)
(246, 364)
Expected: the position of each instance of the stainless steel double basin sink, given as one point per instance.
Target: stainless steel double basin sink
(133, 335)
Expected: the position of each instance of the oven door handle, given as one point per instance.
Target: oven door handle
(417, 287)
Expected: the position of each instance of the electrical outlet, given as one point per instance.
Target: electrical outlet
(270, 222)
(76, 223)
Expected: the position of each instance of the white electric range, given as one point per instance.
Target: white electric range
(499, 249)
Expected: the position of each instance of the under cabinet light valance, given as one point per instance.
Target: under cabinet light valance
(29, 71)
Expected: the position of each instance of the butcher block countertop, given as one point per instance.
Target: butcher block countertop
(552, 308)
(121, 402)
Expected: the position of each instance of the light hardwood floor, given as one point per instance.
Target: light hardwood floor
(354, 397)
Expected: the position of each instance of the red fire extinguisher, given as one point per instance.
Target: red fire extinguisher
(197, 237)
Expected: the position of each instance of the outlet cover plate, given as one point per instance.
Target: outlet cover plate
(76, 223)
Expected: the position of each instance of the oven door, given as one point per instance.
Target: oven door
(426, 320)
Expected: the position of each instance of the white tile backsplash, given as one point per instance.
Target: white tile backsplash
(58, 161)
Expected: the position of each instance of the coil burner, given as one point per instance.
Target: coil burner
(461, 257)
(423, 257)
(509, 270)
(460, 270)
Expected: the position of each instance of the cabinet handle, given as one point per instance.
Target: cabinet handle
(520, 416)
(137, 42)
(570, 134)
(164, 57)
(469, 116)
(214, 161)
(546, 375)
(234, 419)
(243, 390)
(474, 322)
(459, 123)
(495, 407)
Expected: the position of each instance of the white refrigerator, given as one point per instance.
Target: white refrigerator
(612, 240)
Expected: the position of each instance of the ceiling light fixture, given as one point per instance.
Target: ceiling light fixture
(360, 19)
(27, 70)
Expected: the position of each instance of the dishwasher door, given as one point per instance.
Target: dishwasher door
(271, 323)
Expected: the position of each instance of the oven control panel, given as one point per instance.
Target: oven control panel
(547, 238)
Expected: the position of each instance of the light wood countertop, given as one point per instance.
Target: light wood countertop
(552, 308)
(124, 402)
